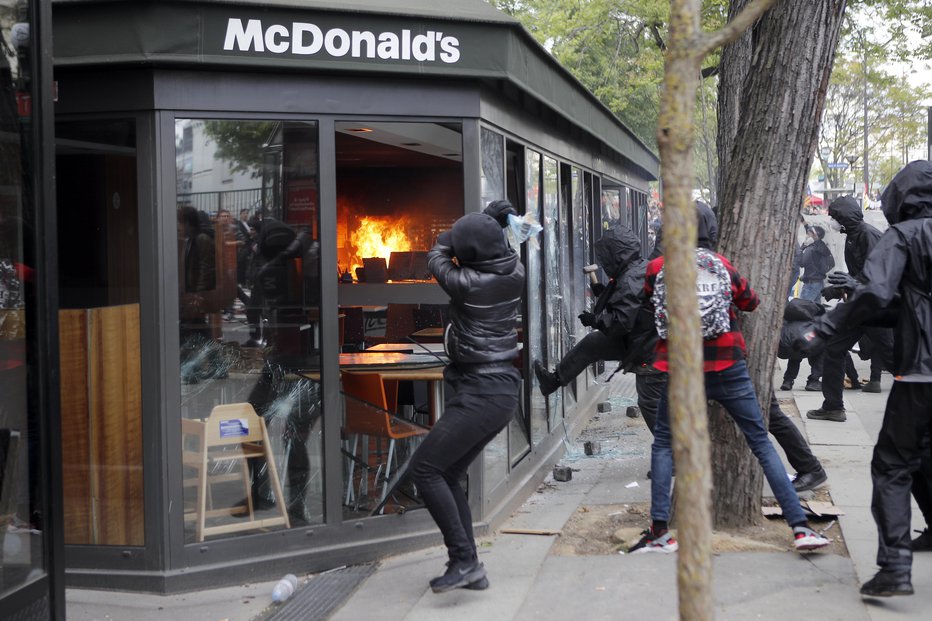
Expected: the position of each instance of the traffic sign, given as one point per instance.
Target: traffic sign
(841, 165)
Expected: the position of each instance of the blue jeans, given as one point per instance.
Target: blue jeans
(733, 389)
(811, 291)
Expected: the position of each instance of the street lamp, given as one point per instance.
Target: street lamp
(851, 160)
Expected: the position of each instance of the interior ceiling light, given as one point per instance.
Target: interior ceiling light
(361, 130)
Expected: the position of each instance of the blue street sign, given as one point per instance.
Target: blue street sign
(841, 165)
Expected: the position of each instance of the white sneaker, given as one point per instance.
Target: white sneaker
(805, 539)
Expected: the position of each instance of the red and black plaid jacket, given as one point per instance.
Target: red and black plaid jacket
(725, 350)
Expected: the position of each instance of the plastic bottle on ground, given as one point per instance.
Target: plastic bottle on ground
(284, 588)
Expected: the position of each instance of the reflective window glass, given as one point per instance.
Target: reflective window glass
(21, 478)
(249, 325)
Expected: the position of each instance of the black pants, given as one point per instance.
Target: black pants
(591, 348)
(791, 440)
(596, 346)
(792, 368)
(650, 387)
(833, 364)
(471, 419)
(898, 455)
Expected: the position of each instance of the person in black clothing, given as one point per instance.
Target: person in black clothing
(816, 261)
(484, 278)
(622, 331)
(860, 239)
(895, 286)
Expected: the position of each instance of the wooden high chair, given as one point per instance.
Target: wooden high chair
(232, 433)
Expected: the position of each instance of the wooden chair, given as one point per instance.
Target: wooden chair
(367, 413)
(233, 433)
(399, 324)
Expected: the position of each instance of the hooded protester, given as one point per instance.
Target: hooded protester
(897, 276)
(623, 331)
(484, 278)
(816, 261)
(706, 227)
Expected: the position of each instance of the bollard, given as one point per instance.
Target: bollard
(562, 473)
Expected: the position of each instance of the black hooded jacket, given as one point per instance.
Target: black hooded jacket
(618, 252)
(484, 293)
(898, 273)
(860, 237)
(706, 230)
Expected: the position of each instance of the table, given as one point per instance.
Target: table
(408, 348)
(433, 334)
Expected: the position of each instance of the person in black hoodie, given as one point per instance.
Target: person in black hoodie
(484, 278)
(896, 286)
(816, 261)
(622, 331)
(860, 239)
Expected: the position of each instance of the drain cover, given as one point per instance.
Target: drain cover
(316, 600)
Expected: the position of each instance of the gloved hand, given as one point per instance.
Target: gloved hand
(843, 280)
(500, 210)
(834, 292)
(587, 318)
(597, 288)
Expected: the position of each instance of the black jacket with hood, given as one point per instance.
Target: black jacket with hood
(618, 252)
(860, 237)
(485, 286)
(898, 273)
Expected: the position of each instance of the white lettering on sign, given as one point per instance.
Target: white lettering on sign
(306, 39)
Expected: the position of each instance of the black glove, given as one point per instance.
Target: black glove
(500, 210)
(834, 292)
(587, 318)
(843, 280)
(597, 288)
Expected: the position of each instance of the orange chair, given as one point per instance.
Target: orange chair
(369, 413)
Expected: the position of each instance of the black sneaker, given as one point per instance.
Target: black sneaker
(786, 385)
(814, 386)
(838, 416)
(663, 542)
(809, 480)
(887, 583)
(549, 382)
(922, 543)
(871, 386)
(479, 585)
(459, 574)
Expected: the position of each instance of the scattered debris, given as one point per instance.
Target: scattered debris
(530, 531)
(632, 484)
(591, 447)
(633, 411)
(603, 407)
(562, 473)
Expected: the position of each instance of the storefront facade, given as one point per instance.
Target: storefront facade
(31, 551)
(247, 192)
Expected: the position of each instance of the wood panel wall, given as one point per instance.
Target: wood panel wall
(102, 425)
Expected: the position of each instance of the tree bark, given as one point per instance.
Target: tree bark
(764, 176)
(686, 47)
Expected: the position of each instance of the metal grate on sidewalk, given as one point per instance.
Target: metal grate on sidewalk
(319, 598)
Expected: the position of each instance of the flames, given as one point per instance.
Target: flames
(378, 237)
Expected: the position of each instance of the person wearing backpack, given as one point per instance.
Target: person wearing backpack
(720, 289)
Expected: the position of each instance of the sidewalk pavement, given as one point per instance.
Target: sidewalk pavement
(528, 583)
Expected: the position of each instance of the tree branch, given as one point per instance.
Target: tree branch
(733, 29)
(658, 38)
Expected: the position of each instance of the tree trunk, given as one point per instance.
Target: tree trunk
(764, 180)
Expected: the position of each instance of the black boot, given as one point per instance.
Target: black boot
(549, 382)
(887, 583)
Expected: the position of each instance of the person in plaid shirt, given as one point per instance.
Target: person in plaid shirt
(728, 382)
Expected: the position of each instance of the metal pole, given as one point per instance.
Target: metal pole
(866, 174)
